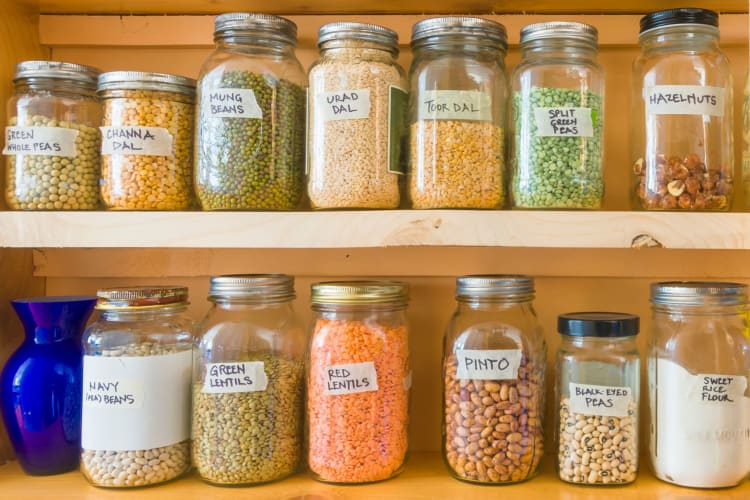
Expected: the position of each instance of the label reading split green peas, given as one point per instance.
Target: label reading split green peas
(564, 122)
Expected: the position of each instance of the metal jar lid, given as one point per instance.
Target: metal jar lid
(358, 31)
(29, 70)
(140, 297)
(359, 292)
(698, 293)
(138, 80)
(263, 26)
(505, 286)
(598, 324)
(560, 30)
(681, 16)
(276, 287)
(487, 29)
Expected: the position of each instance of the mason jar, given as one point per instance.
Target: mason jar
(457, 113)
(358, 381)
(248, 381)
(558, 118)
(52, 137)
(597, 398)
(250, 120)
(494, 357)
(683, 157)
(137, 368)
(698, 366)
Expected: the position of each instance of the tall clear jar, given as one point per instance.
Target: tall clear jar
(137, 370)
(248, 382)
(494, 358)
(682, 104)
(457, 113)
(558, 119)
(597, 398)
(356, 118)
(698, 368)
(52, 138)
(358, 381)
(250, 120)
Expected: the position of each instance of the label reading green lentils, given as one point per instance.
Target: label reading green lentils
(396, 118)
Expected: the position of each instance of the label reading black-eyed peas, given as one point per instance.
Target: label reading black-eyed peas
(564, 122)
(132, 140)
(41, 141)
(684, 100)
(232, 103)
(350, 378)
(602, 400)
(455, 105)
(248, 376)
(719, 389)
(344, 105)
(488, 364)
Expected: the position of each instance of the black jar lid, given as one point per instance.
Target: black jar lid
(598, 324)
(671, 17)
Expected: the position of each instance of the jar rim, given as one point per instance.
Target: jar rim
(341, 30)
(506, 286)
(436, 27)
(140, 297)
(230, 287)
(560, 30)
(141, 80)
(264, 27)
(359, 292)
(697, 293)
(56, 70)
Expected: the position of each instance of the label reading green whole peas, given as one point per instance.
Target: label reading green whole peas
(396, 120)
(41, 141)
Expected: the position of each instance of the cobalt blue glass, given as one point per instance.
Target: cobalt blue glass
(41, 384)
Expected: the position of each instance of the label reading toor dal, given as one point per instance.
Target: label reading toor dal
(488, 364)
(225, 378)
(134, 140)
(455, 105)
(350, 378)
(40, 141)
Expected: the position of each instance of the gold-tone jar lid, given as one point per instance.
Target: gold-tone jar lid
(228, 287)
(139, 80)
(140, 297)
(359, 292)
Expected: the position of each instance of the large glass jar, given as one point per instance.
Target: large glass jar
(356, 124)
(494, 358)
(137, 368)
(557, 118)
(250, 128)
(248, 382)
(358, 381)
(457, 113)
(698, 368)
(597, 397)
(52, 138)
(682, 103)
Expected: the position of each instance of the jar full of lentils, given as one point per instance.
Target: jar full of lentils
(147, 141)
(457, 113)
(250, 129)
(137, 368)
(52, 138)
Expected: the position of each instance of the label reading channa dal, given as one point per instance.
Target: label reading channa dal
(132, 140)
(480, 364)
(247, 376)
(232, 103)
(455, 105)
(564, 122)
(42, 141)
(344, 105)
(603, 400)
(350, 378)
(684, 100)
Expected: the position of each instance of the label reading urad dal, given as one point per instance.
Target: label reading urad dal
(564, 122)
(684, 100)
(232, 103)
(132, 140)
(488, 364)
(344, 105)
(602, 400)
(225, 378)
(40, 141)
(455, 105)
(350, 378)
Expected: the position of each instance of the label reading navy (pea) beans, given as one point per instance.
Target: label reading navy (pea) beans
(224, 378)
(397, 104)
(111, 393)
(602, 400)
(488, 364)
(455, 105)
(40, 141)
(232, 103)
(350, 378)
(684, 100)
(344, 104)
(564, 122)
(134, 140)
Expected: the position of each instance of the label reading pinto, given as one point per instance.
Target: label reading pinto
(487, 364)
(684, 100)
(350, 378)
(41, 141)
(455, 105)
(232, 103)
(344, 105)
(564, 122)
(132, 140)
(224, 378)
(603, 400)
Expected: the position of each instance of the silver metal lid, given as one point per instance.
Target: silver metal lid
(358, 31)
(141, 297)
(251, 287)
(561, 30)
(506, 286)
(86, 75)
(138, 80)
(697, 293)
(264, 26)
(359, 292)
(460, 25)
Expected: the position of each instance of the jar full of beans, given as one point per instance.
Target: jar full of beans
(52, 138)
(147, 141)
(493, 381)
(137, 368)
(457, 113)
(358, 381)
(683, 157)
(248, 382)
(597, 395)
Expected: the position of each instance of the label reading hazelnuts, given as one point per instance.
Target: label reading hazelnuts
(684, 100)
(602, 400)
(350, 378)
(490, 364)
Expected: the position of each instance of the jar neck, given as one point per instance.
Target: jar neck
(596, 342)
(357, 308)
(350, 49)
(489, 303)
(449, 45)
(684, 37)
(55, 86)
(143, 314)
(558, 48)
(256, 46)
(250, 304)
(707, 309)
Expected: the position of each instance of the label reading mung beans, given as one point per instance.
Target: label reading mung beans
(564, 122)
(40, 141)
(344, 104)
(232, 103)
(248, 376)
(684, 100)
(455, 105)
(488, 364)
(147, 141)
(350, 378)
(602, 400)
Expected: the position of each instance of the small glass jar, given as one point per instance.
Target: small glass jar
(457, 113)
(250, 128)
(698, 368)
(494, 358)
(248, 382)
(356, 118)
(597, 397)
(682, 103)
(52, 138)
(358, 381)
(137, 369)
(558, 118)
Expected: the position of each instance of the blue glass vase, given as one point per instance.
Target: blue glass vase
(41, 384)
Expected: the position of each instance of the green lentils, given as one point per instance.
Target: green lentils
(556, 171)
(248, 163)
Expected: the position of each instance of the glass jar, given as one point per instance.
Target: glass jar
(147, 141)
(358, 381)
(52, 138)
(248, 381)
(457, 113)
(356, 118)
(746, 142)
(494, 357)
(597, 397)
(558, 118)
(683, 157)
(698, 366)
(250, 141)
(137, 368)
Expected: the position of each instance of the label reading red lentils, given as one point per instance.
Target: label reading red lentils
(147, 141)
(488, 364)
(350, 378)
(232, 103)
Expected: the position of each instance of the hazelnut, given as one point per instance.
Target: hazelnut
(638, 166)
(676, 187)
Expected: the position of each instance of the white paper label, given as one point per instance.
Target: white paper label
(160, 389)
(248, 376)
(603, 400)
(42, 141)
(232, 103)
(478, 364)
(151, 141)
(351, 378)
(344, 105)
(684, 100)
(564, 122)
(455, 105)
